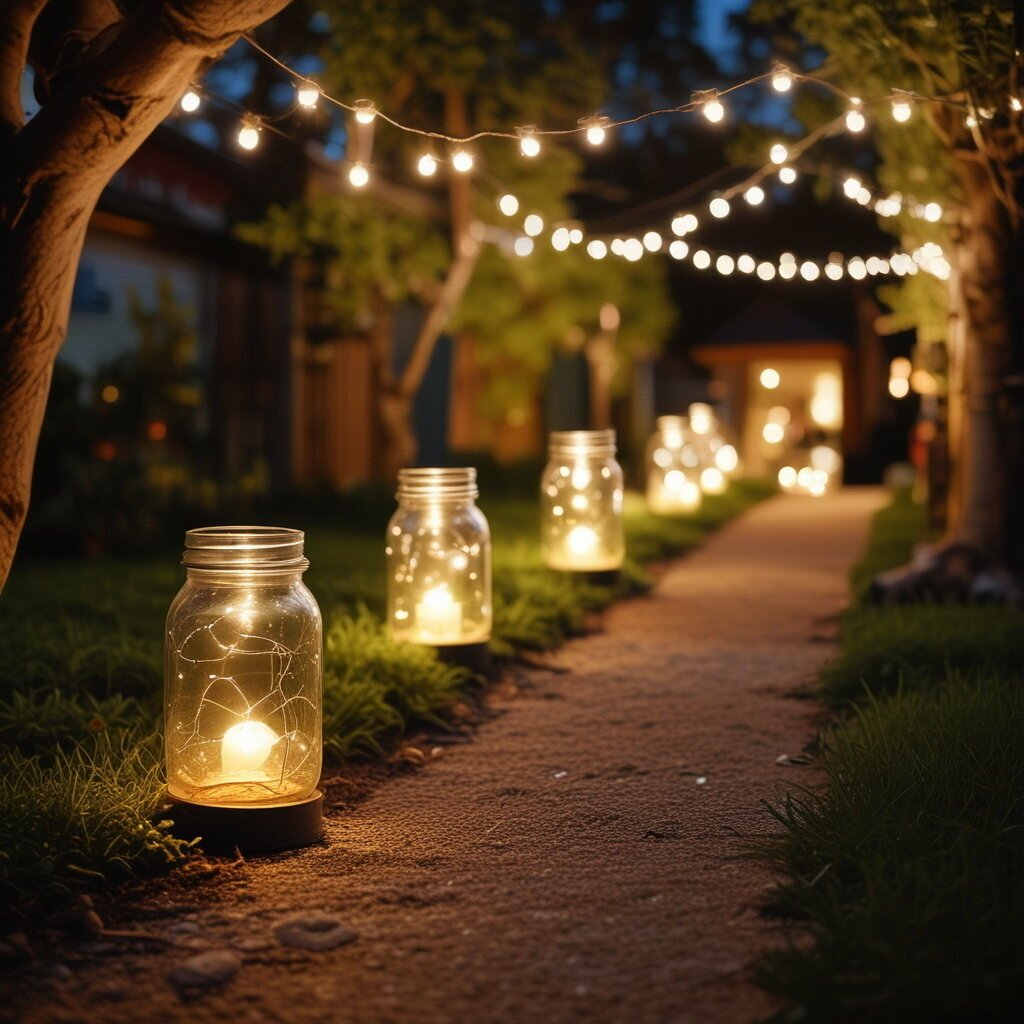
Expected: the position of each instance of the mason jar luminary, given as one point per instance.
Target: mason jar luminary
(581, 503)
(673, 468)
(439, 562)
(243, 691)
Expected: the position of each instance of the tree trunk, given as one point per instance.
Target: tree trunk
(985, 255)
(123, 81)
(600, 355)
(400, 447)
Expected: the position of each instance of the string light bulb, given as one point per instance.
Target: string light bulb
(358, 175)
(855, 121)
(249, 132)
(711, 106)
(787, 175)
(365, 111)
(851, 187)
(678, 249)
(766, 270)
(575, 236)
(595, 128)
(462, 161)
(560, 239)
(529, 144)
(746, 263)
(809, 271)
(533, 225)
(596, 249)
(523, 245)
(754, 195)
(779, 153)
(307, 94)
(725, 264)
(719, 207)
(702, 259)
(426, 165)
(508, 204)
(190, 101)
(901, 108)
(684, 223)
(632, 249)
(652, 241)
(932, 212)
(1016, 105)
(782, 78)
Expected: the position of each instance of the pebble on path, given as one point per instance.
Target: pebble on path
(313, 930)
(205, 969)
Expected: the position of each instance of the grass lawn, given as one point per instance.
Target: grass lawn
(904, 877)
(81, 676)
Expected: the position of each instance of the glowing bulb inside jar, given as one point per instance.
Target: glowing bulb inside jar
(246, 747)
(712, 481)
(727, 458)
(581, 540)
(439, 616)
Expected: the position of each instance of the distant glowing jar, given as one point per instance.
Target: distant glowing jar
(673, 469)
(243, 674)
(581, 503)
(439, 560)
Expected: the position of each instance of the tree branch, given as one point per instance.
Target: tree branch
(20, 17)
(459, 275)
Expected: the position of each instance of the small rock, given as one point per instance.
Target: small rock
(205, 969)
(701, 779)
(409, 755)
(436, 752)
(314, 930)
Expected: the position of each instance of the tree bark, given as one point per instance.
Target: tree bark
(980, 515)
(105, 94)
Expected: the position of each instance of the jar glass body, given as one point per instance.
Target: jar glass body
(581, 503)
(243, 678)
(673, 468)
(439, 560)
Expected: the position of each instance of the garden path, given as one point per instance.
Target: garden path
(577, 862)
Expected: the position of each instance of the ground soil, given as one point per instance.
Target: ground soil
(576, 861)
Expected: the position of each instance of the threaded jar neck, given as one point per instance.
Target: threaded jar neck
(581, 443)
(437, 484)
(249, 549)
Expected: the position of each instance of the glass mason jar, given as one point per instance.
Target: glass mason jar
(673, 468)
(439, 560)
(708, 440)
(581, 503)
(243, 671)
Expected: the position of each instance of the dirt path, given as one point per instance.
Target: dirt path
(574, 864)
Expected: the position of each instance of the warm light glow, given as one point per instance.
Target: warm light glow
(754, 195)
(770, 378)
(825, 459)
(462, 161)
(249, 133)
(246, 747)
(597, 249)
(773, 433)
(702, 418)
(766, 271)
(358, 175)
(575, 235)
(529, 145)
(560, 239)
(901, 366)
(833, 271)
(854, 118)
(427, 165)
(779, 153)
(632, 249)
(713, 110)
(779, 414)
(782, 78)
(652, 241)
(719, 207)
(595, 129)
(523, 245)
(746, 263)
(110, 394)
(307, 94)
(439, 616)
(809, 271)
(787, 175)
(712, 481)
(508, 204)
(923, 382)
(932, 212)
(901, 109)
(533, 225)
(856, 269)
(702, 259)
(826, 405)
(609, 318)
(366, 111)
(727, 459)
(678, 249)
(581, 540)
(787, 476)
(190, 101)
(1016, 105)
(899, 387)
(851, 187)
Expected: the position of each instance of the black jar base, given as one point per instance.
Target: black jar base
(250, 829)
(599, 577)
(475, 657)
